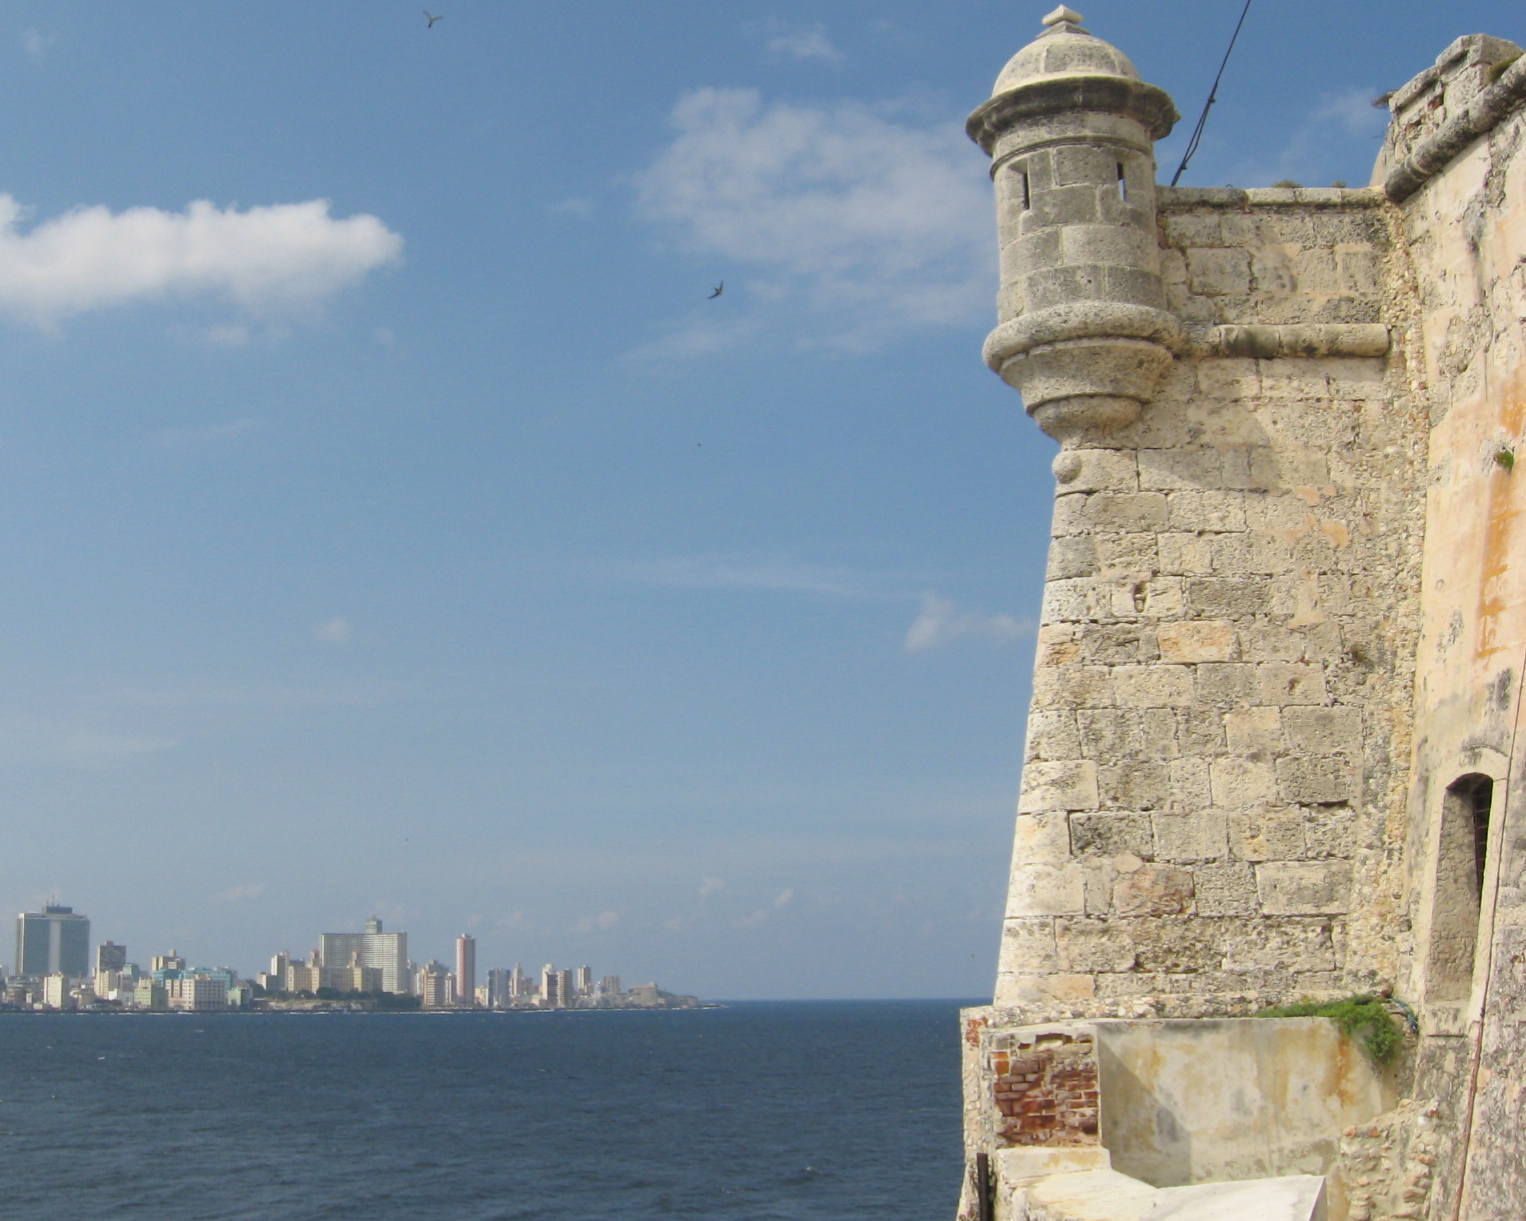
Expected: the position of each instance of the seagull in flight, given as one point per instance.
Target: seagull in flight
(432, 18)
(719, 289)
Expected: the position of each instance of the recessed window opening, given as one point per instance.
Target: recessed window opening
(1027, 194)
(1123, 184)
(1461, 866)
(1481, 795)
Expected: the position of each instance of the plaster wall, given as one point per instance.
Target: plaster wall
(1465, 231)
(1209, 1101)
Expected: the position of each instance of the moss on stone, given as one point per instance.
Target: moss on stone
(1362, 1018)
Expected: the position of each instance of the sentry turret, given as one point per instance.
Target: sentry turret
(1083, 334)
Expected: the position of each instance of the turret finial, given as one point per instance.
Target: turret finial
(1063, 16)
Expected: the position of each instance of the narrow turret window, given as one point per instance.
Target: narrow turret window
(1462, 860)
(1027, 193)
(1123, 184)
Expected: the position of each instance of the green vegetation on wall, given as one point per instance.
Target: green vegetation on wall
(1362, 1018)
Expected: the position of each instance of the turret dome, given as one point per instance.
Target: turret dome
(1063, 49)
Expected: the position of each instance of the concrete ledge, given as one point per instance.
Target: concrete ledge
(1106, 1195)
(1015, 1165)
(1270, 342)
(1175, 199)
(1295, 1198)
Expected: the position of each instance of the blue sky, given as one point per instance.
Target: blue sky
(389, 522)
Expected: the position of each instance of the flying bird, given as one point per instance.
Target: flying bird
(719, 289)
(432, 18)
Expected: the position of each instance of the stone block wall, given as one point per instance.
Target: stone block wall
(1214, 760)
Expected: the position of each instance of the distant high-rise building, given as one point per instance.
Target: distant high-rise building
(517, 983)
(274, 980)
(54, 941)
(466, 969)
(303, 976)
(150, 994)
(551, 995)
(564, 988)
(646, 995)
(498, 994)
(55, 991)
(609, 985)
(582, 984)
(199, 991)
(437, 986)
(388, 951)
(167, 966)
(110, 966)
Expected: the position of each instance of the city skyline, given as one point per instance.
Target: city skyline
(53, 972)
(60, 938)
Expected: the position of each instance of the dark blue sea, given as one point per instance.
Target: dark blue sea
(757, 1111)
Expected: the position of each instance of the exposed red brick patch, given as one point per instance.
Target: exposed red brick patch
(1046, 1091)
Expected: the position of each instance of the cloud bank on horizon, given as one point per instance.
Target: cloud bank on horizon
(263, 259)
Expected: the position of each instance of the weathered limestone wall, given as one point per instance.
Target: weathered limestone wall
(1465, 231)
(1273, 748)
(1218, 736)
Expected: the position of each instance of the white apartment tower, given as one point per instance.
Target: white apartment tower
(386, 951)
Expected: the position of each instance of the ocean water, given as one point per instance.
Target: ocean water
(757, 1111)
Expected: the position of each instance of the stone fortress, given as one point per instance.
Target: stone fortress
(1273, 750)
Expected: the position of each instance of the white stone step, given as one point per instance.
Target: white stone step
(1297, 1197)
(1106, 1195)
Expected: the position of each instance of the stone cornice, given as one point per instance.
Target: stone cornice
(1481, 116)
(1077, 94)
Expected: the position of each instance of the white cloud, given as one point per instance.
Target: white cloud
(186, 438)
(250, 890)
(1353, 112)
(335, 631)
(228, 335)
(263, 259)
(603, 921)
(780, 576)
(1338, 138)
(876, 223)
(37, 45)
(803, 42)
(784, 897)
(691, 338)
(942, 622)
(711, 886)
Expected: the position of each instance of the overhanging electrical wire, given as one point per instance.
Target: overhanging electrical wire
(1213, 96)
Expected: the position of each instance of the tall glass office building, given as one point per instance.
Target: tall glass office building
(54, 941)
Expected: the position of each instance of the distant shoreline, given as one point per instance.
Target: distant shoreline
(350, 1011)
